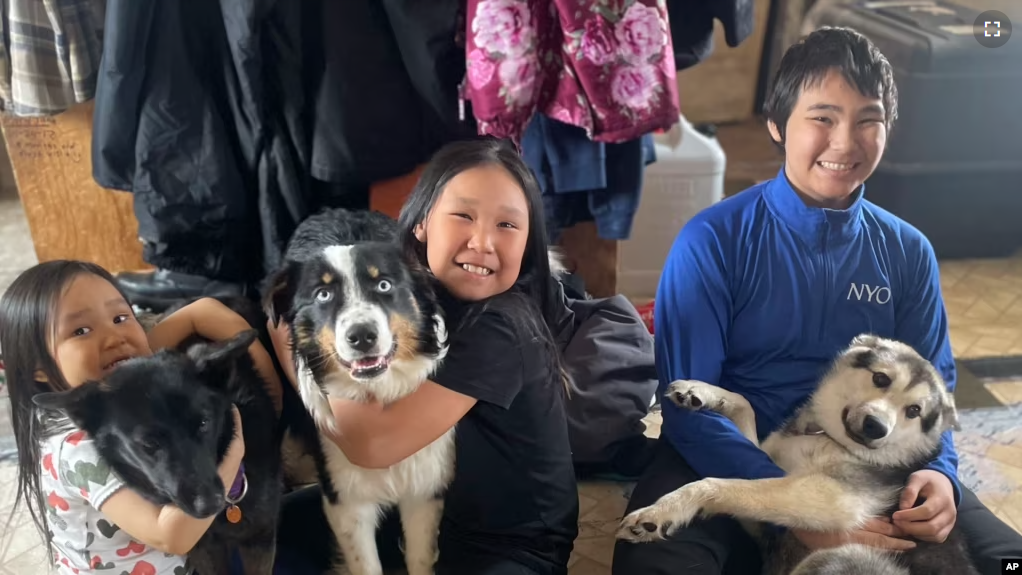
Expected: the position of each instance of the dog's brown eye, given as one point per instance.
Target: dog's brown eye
(881, 380)
(323, 295)
(204, 424)
(913, 411)
(150, 446)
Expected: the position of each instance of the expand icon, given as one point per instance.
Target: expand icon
(992, 29)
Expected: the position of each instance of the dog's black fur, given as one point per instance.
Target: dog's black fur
(163, 423)
(364, 323)
(289, 292)
(281, 299)
(338, 227)
(295, 420)
(330, 227)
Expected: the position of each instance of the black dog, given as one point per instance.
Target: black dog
(163, 423)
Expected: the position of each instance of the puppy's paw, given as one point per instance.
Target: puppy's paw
(663, 518)
(695, 395)
(644, 525)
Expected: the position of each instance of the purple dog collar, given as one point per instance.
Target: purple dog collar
(239, 488)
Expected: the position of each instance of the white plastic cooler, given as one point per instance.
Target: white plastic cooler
(688, 176)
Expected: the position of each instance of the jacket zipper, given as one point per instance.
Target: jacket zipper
(825, 266)
(461, 99)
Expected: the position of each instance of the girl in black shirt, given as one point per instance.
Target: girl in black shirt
(475, 220)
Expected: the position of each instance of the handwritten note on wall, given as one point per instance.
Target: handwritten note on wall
(38, 139)
(69, 215)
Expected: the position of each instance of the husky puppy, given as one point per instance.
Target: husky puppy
(876, 417)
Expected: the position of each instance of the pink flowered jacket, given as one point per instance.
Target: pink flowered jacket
(606, 66)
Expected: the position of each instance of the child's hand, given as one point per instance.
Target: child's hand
(933, 520)
(880, 533)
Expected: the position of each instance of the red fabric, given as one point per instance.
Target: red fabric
(606, 66)
(389, 196)
(646, 313)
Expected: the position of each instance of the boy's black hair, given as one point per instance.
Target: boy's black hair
(533, 294)
(26, 333)
(807, 62)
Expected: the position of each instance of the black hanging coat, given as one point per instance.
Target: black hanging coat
(219, 116)
(198, 114)
(692, 27)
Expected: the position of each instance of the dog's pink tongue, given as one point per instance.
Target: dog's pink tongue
(367, 363)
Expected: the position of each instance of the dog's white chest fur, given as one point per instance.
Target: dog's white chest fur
(415, 484)
(802, 453)
(424, 474)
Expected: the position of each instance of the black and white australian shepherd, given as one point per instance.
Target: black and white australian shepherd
(365, 324)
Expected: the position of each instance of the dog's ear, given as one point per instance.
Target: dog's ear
(218, 360)
(865, 340)
(425, 293)
(278, 292)
(83, 405)
(422, 278)
(950, 414)
(558, 268)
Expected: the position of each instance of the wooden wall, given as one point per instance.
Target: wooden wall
(69, 215)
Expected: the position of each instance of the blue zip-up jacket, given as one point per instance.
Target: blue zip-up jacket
(759, 294)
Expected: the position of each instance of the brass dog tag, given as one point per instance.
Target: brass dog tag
(234, 514)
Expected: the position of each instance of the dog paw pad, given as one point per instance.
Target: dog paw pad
(693, 395)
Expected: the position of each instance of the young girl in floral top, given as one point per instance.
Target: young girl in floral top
(63, 323)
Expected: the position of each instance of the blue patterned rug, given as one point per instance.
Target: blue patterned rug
(980, 443)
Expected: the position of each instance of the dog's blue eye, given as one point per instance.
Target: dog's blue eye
(323, 295)
(913, 411)
(384, 286)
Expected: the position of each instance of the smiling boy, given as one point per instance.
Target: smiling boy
(762, 290)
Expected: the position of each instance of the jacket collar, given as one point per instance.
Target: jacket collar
(812, 223)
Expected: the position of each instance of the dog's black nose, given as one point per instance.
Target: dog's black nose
(361, 337)
(873, 428)
(209, 504)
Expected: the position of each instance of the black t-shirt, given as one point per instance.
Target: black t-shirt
(514, 493)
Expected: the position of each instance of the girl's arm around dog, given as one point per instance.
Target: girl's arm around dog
(166, 527)
(376, 436)
(213, 320)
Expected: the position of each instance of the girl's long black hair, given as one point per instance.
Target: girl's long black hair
(531, 306)
(26, 332)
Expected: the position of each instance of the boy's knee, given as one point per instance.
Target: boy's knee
(666, 557)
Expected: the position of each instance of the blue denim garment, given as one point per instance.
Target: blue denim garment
(583, 180)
